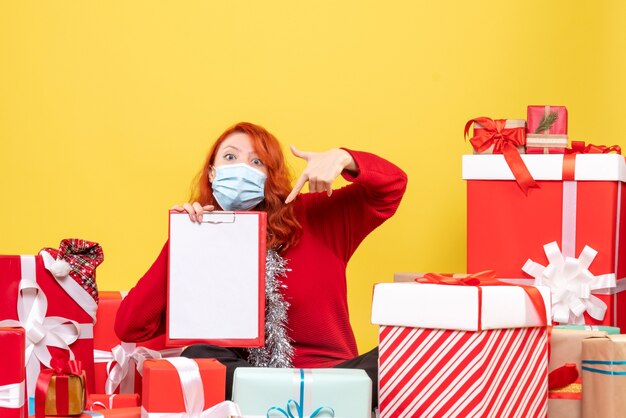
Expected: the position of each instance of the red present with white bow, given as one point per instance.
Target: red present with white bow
(118, 364)
(461, 350)
(569, 228)
(12, 374)
(43, 295)
(179, 387)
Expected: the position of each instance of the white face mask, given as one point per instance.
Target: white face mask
(238, 186)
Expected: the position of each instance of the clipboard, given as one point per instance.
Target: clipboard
(216, 279)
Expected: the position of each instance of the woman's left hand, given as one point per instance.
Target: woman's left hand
(321, 170)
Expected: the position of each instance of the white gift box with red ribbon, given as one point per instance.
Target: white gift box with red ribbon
(566, 234)
(461, 350)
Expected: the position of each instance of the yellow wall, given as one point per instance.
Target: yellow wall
(107, 108)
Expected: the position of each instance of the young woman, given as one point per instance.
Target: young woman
(312, 235)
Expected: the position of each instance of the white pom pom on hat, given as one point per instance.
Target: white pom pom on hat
(60, 268)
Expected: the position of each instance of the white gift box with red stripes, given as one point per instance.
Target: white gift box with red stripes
(470, 351)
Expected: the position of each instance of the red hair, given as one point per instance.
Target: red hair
(283, 229)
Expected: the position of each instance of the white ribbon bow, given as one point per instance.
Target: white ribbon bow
(193, 394)
(122, 361)
(12, 396)
(41, 331)
(571, 284)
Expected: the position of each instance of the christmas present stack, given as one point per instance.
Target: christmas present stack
(53, 296)
(556, 224)
(286, 392)
(562, 229)
(463, 346)
(118, 364)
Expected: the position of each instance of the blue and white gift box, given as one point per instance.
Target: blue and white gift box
(302, 393)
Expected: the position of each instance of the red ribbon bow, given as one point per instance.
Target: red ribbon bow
(487, 278)
(562, 376)
(61, 369)
(505, 141)
(579, 147)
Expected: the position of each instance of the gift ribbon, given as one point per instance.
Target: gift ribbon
(571, 284)
(41, 331)
(579, 147)
(61, 370)
(487, 278)
(193, 395)
(562, 376)
(568, 277)
(101, 404)
(504, 141)
(122, 361)
(12, 395)
(305, 382)
(604, 363)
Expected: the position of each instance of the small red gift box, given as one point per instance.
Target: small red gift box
(166, 391)
(567, 234)
(546, 120)
(118, 364)
(12, 375)
(461, 350)
(546, 130)
(51, 295)
(97, 402)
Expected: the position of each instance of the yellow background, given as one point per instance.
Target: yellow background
(108, 108)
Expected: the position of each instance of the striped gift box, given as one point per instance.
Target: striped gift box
(467, 351)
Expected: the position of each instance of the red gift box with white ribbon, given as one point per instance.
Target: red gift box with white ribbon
(12, 374)
(118, 364)
(466, 349)
(56, 311)
(567, 234)
(179, 387)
